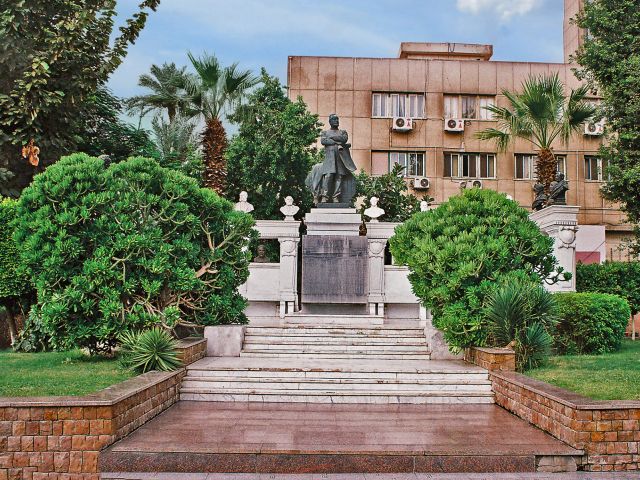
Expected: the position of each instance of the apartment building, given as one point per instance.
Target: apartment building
(423, 109)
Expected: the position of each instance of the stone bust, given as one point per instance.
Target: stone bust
(540, 200)
(243, 205)
(558, 190)
(374, 212)
(289, 210)
(261, 257)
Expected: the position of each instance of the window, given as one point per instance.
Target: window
(388, 105)
(526, 166)
(413, 162)
(595, 168)
(468, 107)
(470, 165)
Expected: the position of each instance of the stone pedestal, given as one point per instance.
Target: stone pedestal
(333, 221)
(224, 340)
(560, 222)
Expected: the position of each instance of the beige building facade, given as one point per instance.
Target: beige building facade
(423, 109)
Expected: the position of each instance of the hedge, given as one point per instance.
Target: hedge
(590, 323)
(616, 278)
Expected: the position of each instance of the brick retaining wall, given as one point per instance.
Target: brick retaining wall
(607, 431)
(491, 358)
(60, 438)
(191, 350)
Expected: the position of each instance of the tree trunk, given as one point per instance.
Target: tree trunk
(11, 322)
(171, 111)
(214, 143)
(546, 168)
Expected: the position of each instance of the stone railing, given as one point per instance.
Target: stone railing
(607, 431)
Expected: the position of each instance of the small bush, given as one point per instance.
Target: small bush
(590, 323)
(458, 253)
(522, 314)
(615, 278)
(152, 349)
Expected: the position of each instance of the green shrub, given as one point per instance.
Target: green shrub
(590, 323)
(128, 247)
(522, 314)
(615, 278)
(392, 192)
(153, 349)
(458, 252)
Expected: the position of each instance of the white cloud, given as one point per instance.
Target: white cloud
(505, 9)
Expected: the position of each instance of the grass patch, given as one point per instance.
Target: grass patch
(56, 373)
(612, 376)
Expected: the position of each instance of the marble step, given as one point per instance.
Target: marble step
(322, 348)
(336, 397)
(386, 331)
(334, 355)
(334, 375)
(332, 340)
(204, 383)
(346, 320)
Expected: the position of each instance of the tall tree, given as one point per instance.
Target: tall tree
(103, 132)
(274, 150)
(166, 84)
(215, 92)
(53, 55)
(541, 114)
(610, 59)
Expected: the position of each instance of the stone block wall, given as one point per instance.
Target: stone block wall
(60, 438)
(607, 431)
(491, 358)
(191, 350)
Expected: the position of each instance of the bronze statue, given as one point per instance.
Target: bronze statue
(262, 255)
(332, 181)
(541, 197)
(558, 190)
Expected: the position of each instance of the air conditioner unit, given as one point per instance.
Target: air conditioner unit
(402, 124)
(594, 129)
(454, 125)
(421, 183)
(475, 183)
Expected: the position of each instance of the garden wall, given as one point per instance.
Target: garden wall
(60, 438)
(607, 431)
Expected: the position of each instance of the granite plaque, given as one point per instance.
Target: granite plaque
(334, 269)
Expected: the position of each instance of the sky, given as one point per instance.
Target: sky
(262, 33)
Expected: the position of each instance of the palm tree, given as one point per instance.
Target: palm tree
(216, 91)
(167, 84)
(541, 114)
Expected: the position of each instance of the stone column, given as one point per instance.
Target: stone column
(376, 276)
(288, 275)
(560, 222)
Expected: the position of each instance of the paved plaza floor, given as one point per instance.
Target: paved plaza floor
(310, 438)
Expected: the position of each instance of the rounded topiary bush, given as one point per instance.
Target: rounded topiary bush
(128, 247)
(590, 323)
(615, 278)
(459, 252)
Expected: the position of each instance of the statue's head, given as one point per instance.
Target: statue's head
(262, 251)
(244, 196)
(374, 201)
(559, 176)
(538, 188)
(288, 200)
(334, 120)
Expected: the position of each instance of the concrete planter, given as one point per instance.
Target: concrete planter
(224, 340)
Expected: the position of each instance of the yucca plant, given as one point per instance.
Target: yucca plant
(153, 349)
(521, 314)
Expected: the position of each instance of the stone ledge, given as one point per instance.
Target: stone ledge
(492, 359)
(560, 395)
(104, 398)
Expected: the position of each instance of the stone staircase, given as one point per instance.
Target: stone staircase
(335, 364)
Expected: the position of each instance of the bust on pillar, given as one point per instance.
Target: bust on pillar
(560, 222)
